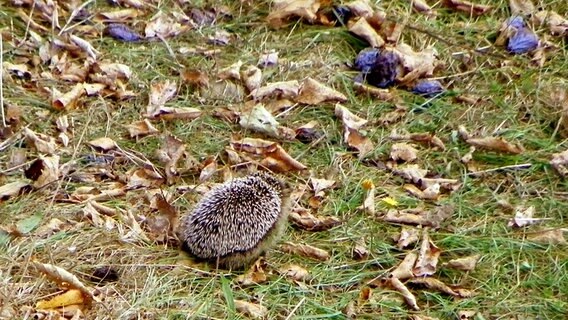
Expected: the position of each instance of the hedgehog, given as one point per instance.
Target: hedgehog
(237, 221)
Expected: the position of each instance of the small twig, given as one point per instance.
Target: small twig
(295, 308)
(516, 166)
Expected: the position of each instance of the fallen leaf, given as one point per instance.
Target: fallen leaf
(141, 128)
(523, 217)
(223, 90)
(436, 284)
(305, 251)
(427, 258)
(42, 143)
(227, 114)
(195, 77)
(208, 171)
(251, 77)
(171, 113)
(279, 160)
(351, 135)
(105, 144)
(364, 30)
(348, 118)
(85, 46)
(260, 120)
(254, 146)
(404, 152)
(163, 26)
(13, 189)
(405, 269)
(253, 310)
(521, 7)
(269, 59)
(424, 138)
(554, 237)
(220, 38)
(309, 132)
(467, 7)
(115, 71)
(171, 151)
(560, 162)
(416, 64)
(312, 92)
(360, 251)
(231, 72)
(406, 294)
(360, 8)
(284, 89)
(307, 221)
(160, 93)
(64, 278)
(143, 178)
(284, 9)
(67, 298)
(422, 7)
(295, 272)
(408, 236)
(43, 171)
(430, 193)
(556, 23)
(255, 275)
(465, 264)
(68, 100)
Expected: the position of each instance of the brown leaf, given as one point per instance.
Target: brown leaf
(285, 9)
(119, 15)
(427, 258)
(406, 294)
(465, 264)
(41, 142)
(223, 90)
(254, 146)
(284, 89)
(68, 100)
(13, 189)
(260, 120)
(560, 162)
(170, 153)
(141, 128)
(408, 236)
(195, 78)
(523, 217)
(160, 93)
(496, 144)
(231, 72)
(251, 77)
(436, 284)
(404, 152)
(467, 7)
(554, 237)
(171, 113)
(63, 278)
(424, 138)
(305, 220)
(105, 144)
(115, 71)
(521, 7)
(163, 26)
(381, 94)
(43, 171)
(422, 7)
(279, 160)
(364, 30)
(404, 269)
(253, 310)
(355, 140)
(360, 251)
(143, 178)
(430, 193)
(255, 275)
(415, 64)
(313, 92)
(208, 170)
(295, 272)
(227, 114)
(348, 118)
(556, 23)
(305, 251)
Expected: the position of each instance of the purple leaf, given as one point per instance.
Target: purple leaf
(122, 32)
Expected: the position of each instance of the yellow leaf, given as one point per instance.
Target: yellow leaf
(73, 296)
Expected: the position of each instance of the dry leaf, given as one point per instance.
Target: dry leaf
(404, 269)
(521, 7)
(231, 72)
(360, 8)
(170, 153)
(170, 113)
(408, 236)
(416, 64)
(105, 144)
(260, 120)
(360, 251)
(208, 170)
(467, 7)
(282, 10)
(194, 77)
(295, 272)
(305, 250)
(13, 189)
(305, 220)
(63, 278)
(424, 138)
(163, 26)
(422, 7)
(115, 71)
(406, 294)
(348, 118)
(41, 142)
(254, 146)
(554, 237)
(427, 258)
(253, 310)
(496, 144)
(143, 178)
(67, 298)
(251, 77)
(404, 152)
(279, 160)
(313, 92)
(160, 93)
(436, 284)
(523, 217)
(364, 30)
(255, 275)
(68, 100)
(411, 172)
(309, 132)
(85, 46)
(43, 171)
(351, 135)
(560, 162)
(430, 193)
(465, 264)
(284, 89)
(141, 128)
(556, 23)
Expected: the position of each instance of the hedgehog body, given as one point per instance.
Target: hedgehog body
(237, 221)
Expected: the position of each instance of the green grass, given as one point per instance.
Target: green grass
(515, 278)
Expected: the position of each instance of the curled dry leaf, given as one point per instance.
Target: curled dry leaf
(280, 161)
(231, 72)
(163, 26)
(554, 237)
(404, 269)
(363, 29)
(195, 77)
(160, 93)
(255, 275)
(424, 138)
(13, 189)
(115, 71)
(170, 153)
(560, 162)
(305, 250)
(406, 294)
(348, 118)
(282, 10)
(467, 7)
(251, 77)
(141, 128)
(319, 185)
(253, 310)
(170, 113)
(416, 64)
(144, 178)
(408, 236)
(404, 152)
(208, 170)
(295, 272)
(381, 94)
(254, 146)
(43, 171)
(351, 135)
(436, 284)
(63, 278)
(85, 46)
(430, 193)
(42, 143)
(427, 258)
(465, 264)
(104, 144)
(313, 92)
(284, 89)
(360, 251)
(224, 90)
(260, 120)
(307, 221)
(523, 217)
(496, 144)
(68, 100)
(70, 297)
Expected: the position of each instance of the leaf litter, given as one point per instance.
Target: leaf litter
(70, 71)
